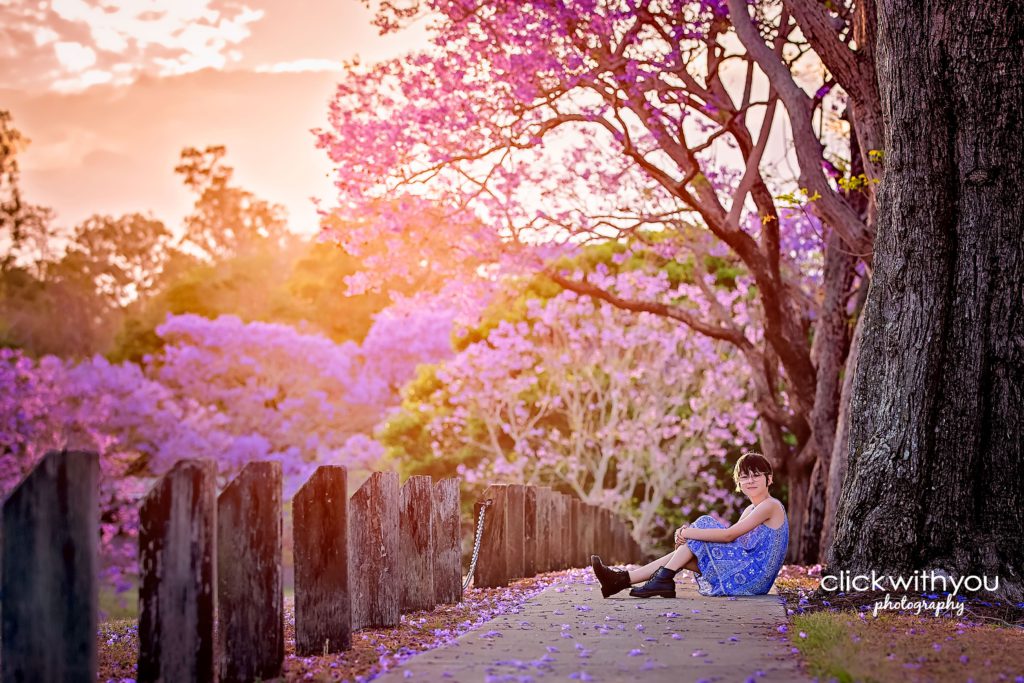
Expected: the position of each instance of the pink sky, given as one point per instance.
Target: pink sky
(110, 91)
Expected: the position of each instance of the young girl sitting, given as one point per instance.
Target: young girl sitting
(742, 559)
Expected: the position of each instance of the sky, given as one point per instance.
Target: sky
(110, 91)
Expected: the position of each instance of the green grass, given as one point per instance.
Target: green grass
(844, 647)
(826, 647)
(115, 606)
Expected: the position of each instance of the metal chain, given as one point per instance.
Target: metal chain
(476, 544)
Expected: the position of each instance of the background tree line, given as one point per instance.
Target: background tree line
(104, 285)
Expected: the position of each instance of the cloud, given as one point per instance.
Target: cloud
(300, 65)
(134, 82)
(74, 57)
(70, 45)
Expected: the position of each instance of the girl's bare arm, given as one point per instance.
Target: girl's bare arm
(760, 515)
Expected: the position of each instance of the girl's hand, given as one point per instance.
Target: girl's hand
(679, 535)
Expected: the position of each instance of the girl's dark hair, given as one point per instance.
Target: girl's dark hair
(751, 462)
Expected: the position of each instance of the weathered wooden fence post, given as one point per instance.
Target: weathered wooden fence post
(492, 564)
(613, 537)
(603, 522)
(177, 551)
(609, 533)
(447, 543)
(554, 529)
(620, 540)
(544, 545)
(575, 523)
(531, 544)
(50, 538)
(617, 536)
(627, 544)
(374, 571)
(416, 544)
(545, 529)
(571, 522)
(542, 529)
(565, 503)
(323, 602)
(515, 531)
(561, 531)
(250, 607)
(610, 530)
(587, 532)
(556, 539)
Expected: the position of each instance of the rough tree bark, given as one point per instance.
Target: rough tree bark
(936, 473)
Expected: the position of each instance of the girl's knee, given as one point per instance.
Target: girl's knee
(704, 521)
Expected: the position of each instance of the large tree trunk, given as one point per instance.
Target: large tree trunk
(936, 465)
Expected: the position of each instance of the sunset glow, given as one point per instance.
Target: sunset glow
(110, 92)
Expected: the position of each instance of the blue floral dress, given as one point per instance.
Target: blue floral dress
(745, 566)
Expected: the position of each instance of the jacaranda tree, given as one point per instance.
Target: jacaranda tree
(545, 124)
(221, 389)
(625, 410)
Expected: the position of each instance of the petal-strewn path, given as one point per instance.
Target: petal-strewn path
(568, 632)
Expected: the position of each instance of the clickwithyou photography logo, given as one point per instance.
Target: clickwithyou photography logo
(926, 583)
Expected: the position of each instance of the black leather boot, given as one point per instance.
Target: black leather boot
(612, 580)
(661, 584)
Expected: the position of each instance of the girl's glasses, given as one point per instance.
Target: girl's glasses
(749, 477)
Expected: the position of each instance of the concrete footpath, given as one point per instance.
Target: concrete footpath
(569, 632)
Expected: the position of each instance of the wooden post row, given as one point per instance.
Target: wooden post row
(50, 544)
(250, 591)
(323, 609)
(374, 572)
(50, 559)
(177, 551)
